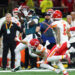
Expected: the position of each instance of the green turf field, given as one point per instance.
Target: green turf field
(33, 73)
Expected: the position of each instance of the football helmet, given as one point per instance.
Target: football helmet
(34, 42)
(57, 14)
(15, 12)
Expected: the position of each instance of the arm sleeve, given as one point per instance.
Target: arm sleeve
(72, 28)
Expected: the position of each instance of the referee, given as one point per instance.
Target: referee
(8, 30)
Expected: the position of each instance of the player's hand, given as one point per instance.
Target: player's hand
(40, 62)
(17, 39)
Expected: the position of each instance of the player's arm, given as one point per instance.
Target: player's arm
(23, 14)
(57, 32)
(45, 57)
(16, 21)
(21, 41)
(32, 54)
(37, 28)
(68, 34)
(43, 52)
(24, 42)
(32, 22)
(44, 60)
(21, 20)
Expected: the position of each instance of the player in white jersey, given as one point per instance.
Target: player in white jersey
(62, 26)
(15, 19)
(61, 29)
(47, 55)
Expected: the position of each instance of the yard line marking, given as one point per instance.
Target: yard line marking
(47, 70)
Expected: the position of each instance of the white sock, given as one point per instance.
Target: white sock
(18, 58)
(60, 65)
(48, 67)
(56, 58)
(18, 55)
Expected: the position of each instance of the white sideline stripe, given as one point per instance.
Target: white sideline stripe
(35, 70)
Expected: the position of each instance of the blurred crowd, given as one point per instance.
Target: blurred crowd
(40, 6)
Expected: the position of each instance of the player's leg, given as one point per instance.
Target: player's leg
(17, 53)
(18, 49)
(47, 66)
(60, 65)
(56, 58)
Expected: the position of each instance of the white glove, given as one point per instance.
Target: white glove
(47, 43)
(25, 12)
(58, 45)
(19, 8)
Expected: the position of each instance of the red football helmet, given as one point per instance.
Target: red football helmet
(34, 42)
(15, 12)
(57, 14)
(50, 10)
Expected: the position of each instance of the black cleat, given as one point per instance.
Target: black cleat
(15, 69)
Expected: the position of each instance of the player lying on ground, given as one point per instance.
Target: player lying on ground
(48, 55)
